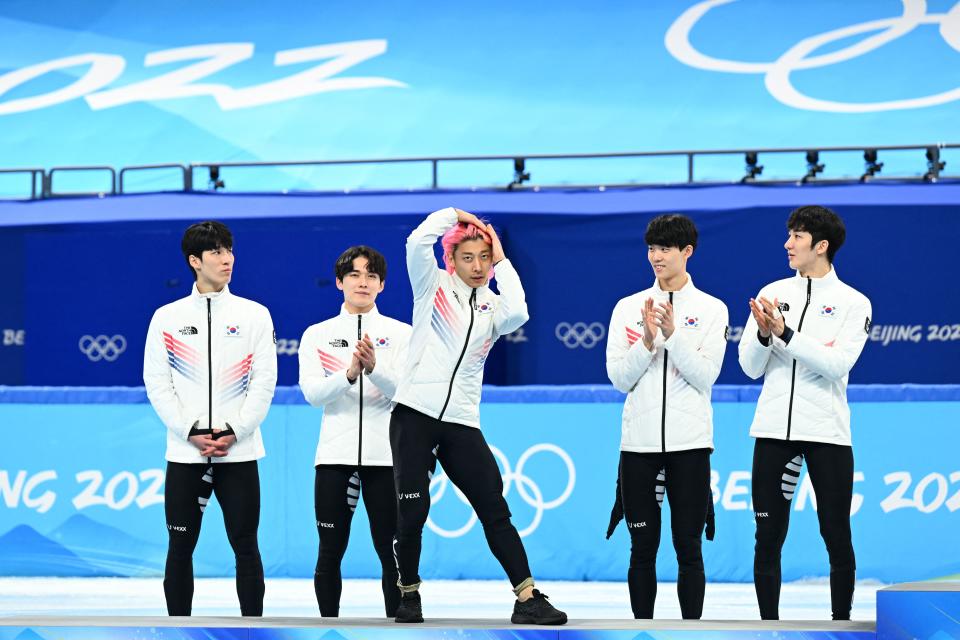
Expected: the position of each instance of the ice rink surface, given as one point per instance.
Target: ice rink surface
(805, 600)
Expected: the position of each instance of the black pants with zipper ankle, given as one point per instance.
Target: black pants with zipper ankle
(337, 490)
(468, 462)
(776, 473)
(186, 492)
(684, 477)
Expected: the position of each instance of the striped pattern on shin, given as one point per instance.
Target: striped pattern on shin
(353, 491)
(790, 477)
(661, 486)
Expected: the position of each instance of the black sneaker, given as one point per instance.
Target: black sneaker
(537, 610)
(409, 609)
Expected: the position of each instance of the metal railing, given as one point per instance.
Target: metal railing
(521, 177)
(186, 172)
(48, 191)
(34, 172)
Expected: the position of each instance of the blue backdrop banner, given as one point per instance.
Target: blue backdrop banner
(86, 497)
(120, 83)
(83, 320)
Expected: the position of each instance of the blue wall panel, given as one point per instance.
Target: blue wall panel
(86, 497)
(102, 266)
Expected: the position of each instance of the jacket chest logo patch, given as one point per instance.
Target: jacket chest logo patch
(691, 322)
(188, 331)
(484, 307)
(232, 331)
(828, 310)
(381, 343)
(339, 342)
(783, 306)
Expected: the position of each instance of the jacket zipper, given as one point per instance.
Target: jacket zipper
(473, 298)
(663, 411)
(209, 371)
(360, 425)
(793, 373)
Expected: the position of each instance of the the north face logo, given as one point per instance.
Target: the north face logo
(339, 343)
(188, 331)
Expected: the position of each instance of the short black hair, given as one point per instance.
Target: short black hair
(376, 263)
(671, 230)
(821, 223)
(204, 236)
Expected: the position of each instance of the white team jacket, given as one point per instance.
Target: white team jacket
(349, 427)
(211, 360)
(454, 326)
(804, 394)
(679, 373)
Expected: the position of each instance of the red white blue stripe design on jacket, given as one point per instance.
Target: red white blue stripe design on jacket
(445, 321)
(475, 361)
(236, 379)
(632, 336)
(331, 364)
(183, 358)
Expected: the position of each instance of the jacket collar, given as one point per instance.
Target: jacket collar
(464, 289)
(373, 313)
(215, 298)
(682, 292)
(826, 281)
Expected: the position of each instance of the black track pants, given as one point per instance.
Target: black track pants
(469, 463)
(186, 492)
(337, 488)
(685, 477)
(776, 470)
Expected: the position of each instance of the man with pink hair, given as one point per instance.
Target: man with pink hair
(456, 319)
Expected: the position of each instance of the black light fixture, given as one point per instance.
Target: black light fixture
(215, 182)
(753, 169)
(813, 167)
(870, 165)
(934, 164)
(519, 174)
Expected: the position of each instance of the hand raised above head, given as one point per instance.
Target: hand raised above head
(469, 218)
(495, 246)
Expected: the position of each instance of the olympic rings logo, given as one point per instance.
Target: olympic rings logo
(580, 334)
(798, 57)
(528, 490)
(103, 347)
